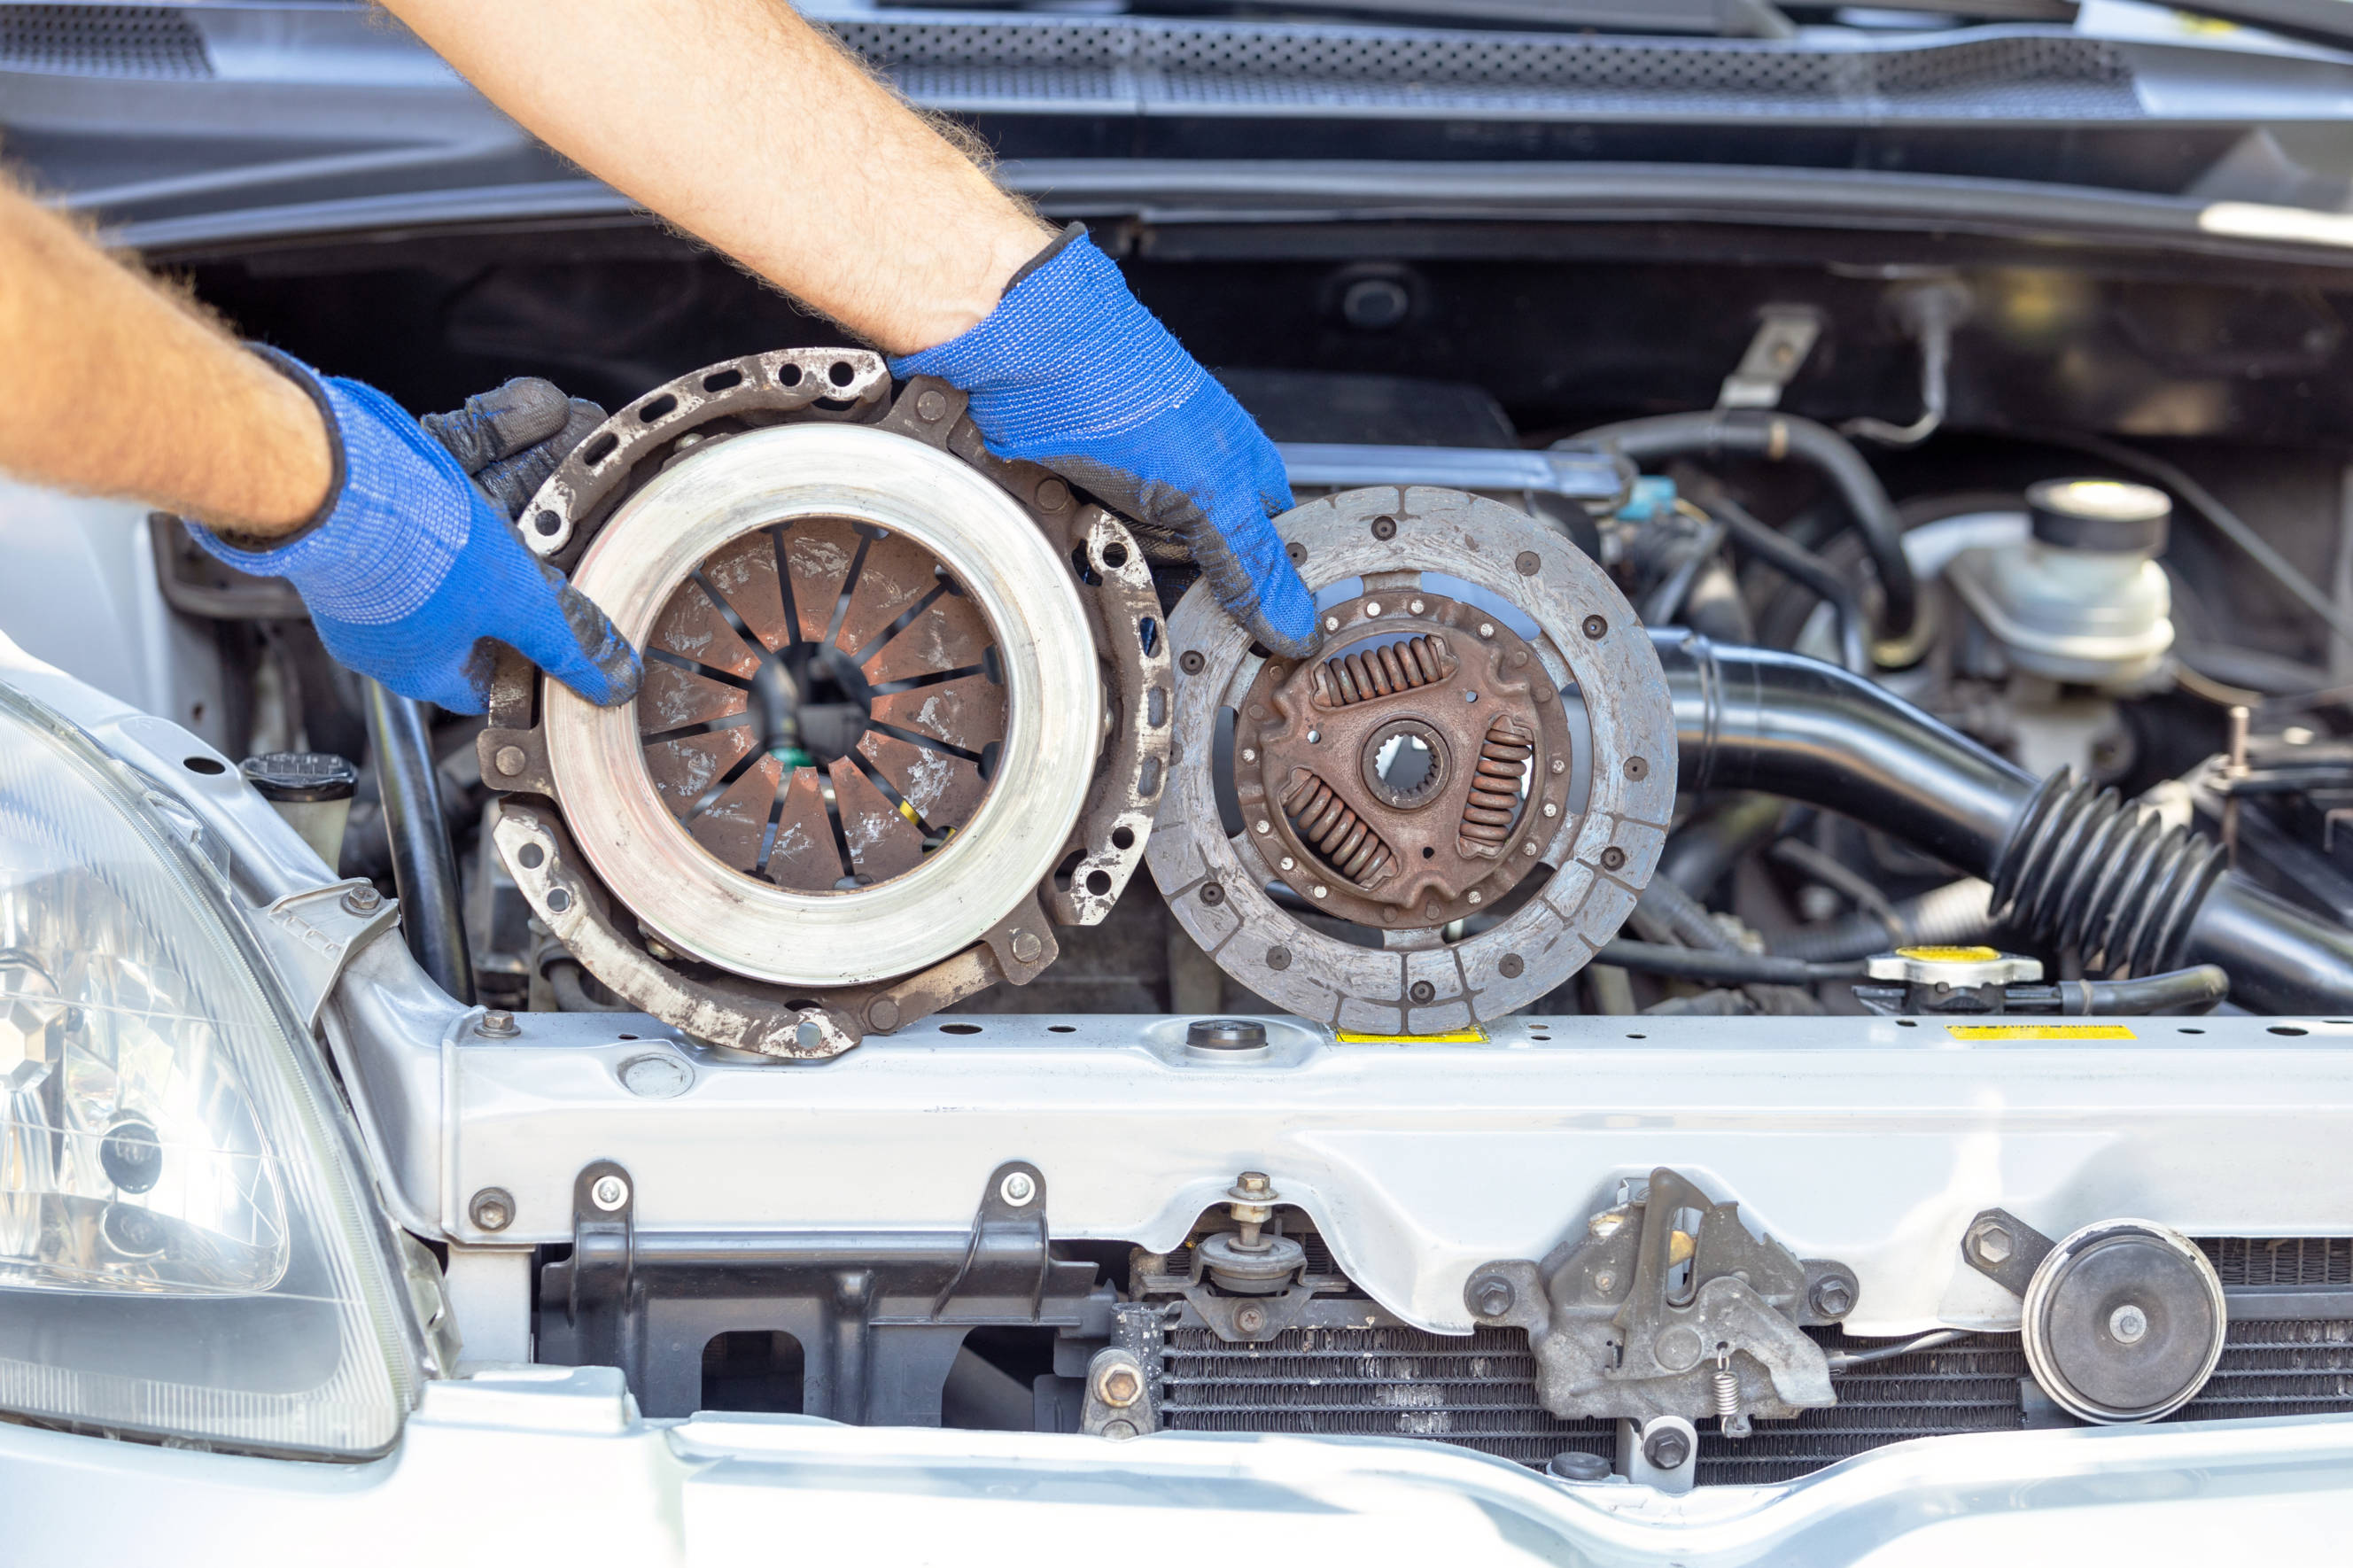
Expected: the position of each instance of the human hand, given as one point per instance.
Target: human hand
(1070, 372)
(413, 576)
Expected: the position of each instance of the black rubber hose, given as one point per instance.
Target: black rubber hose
(424, 864)
(1782, 436)
(2070, 866)
(2178, 991)
(1717, 835)
(1722, 968)
(1758, 719)
(1803, 566)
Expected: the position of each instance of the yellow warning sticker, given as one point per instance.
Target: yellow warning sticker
(2040, 1032)
(1451, 1037)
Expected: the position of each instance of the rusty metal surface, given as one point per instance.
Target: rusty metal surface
(1404, 665)
(766, 388)
(910, 623)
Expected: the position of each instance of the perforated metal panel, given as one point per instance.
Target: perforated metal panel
(1177, 67)
(102, 40)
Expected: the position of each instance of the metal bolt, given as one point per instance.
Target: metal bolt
(2128, 1324)
(1249, 754)
(930, 405)
(1250, 1320)
(1666, 1449)
(363, 901)
(1596, 628)
(1990, 1243)
(1018, 1188)
(1322, 891)
(1551, 808)
(1486, 628)
(1415, 607)
(1256, 1184)
(492, 1208)
(498, 1024)
(509, 760)
(1315, 737)
(1833, 1297)
(1529, 562)
(1492, 1297)
(883, 1013)
(1372, 606)
(1119, 1386)
(609, 1191)
(1559, 766)
(1289, 864)
(1474, 896)
(1605, 1282)
(1052, 495)
(1264, 826)
(1528, 848)
(1027, 947)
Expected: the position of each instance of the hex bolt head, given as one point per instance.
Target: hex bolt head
(492, 1208)
(2127, 1325)
(1990, 1243)
(609, 1191)
(1666, 1449)
(1833, 1296)
(1119, 1386)
(361, 901)
(1492, 1297)
(1018, 1188)
(509, 760)
(498, 1024)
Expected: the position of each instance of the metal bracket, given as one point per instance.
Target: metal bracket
(2005, 1249)
(604, 1260)
(1785, 336)
(1119, 1396)
(309, 936)
(1009, 1240)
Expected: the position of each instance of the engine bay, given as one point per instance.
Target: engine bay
(1796, 904)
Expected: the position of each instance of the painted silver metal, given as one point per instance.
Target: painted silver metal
(748, 924)
(1432, 988)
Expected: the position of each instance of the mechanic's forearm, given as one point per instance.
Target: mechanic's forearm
(114, 386)
(740, 123)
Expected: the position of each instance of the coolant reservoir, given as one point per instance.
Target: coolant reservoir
(2082, 599)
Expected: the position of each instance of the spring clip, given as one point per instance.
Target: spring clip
(1335, 831)
(1495, 786)
(1356, 678)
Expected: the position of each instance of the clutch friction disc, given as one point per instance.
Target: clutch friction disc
(1438, 817)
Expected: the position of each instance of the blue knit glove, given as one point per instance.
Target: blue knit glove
(414, 577)
(1070, 372)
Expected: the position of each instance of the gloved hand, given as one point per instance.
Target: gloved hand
(414, 577)
(509, 438)
(1070, 372)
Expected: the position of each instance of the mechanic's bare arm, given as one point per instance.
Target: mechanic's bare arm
(744, 125)
(115, 385)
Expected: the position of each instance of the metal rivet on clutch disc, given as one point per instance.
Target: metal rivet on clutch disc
(1470, 772)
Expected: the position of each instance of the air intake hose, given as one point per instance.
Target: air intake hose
(2071, 866)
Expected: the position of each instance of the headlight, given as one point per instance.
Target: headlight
(185, 1249)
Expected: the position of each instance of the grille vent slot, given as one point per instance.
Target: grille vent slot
(149, 41)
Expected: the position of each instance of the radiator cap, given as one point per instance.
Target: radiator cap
(2124, 1322)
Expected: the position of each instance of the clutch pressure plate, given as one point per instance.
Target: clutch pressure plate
(902, 701)
(1439, 817)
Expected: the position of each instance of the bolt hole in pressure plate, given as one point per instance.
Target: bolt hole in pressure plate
(881, 670)
(1440, 815)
